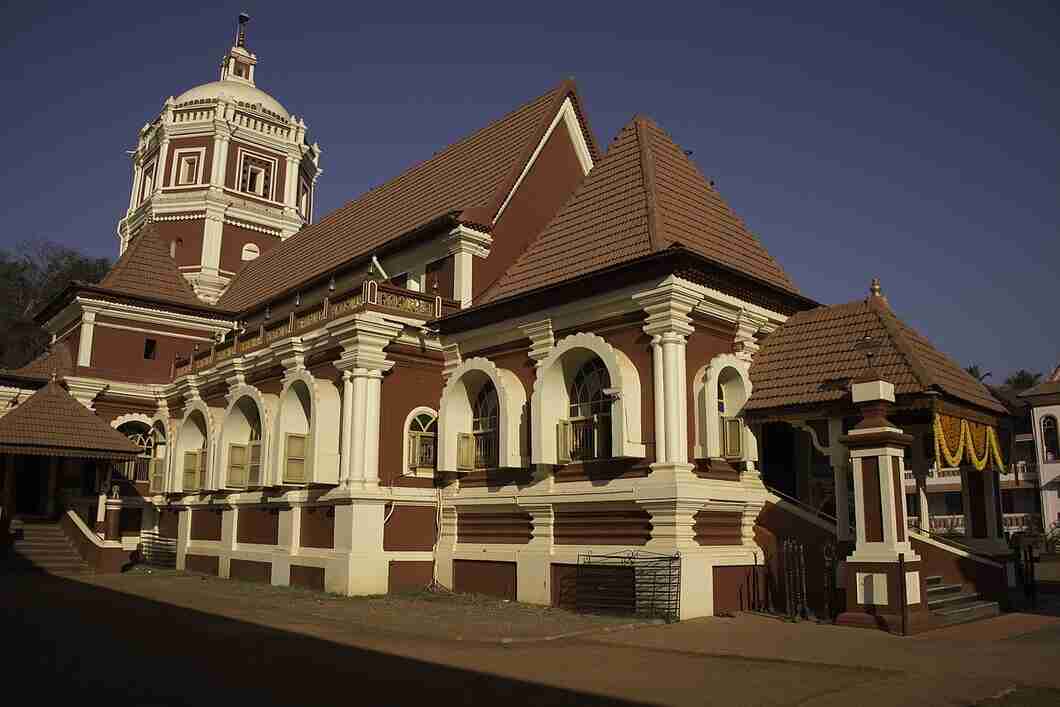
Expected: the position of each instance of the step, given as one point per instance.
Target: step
(971, 612)
(954, 601)
(933, 580)
(942, 590)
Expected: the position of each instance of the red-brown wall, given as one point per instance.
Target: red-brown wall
(415, 380)
(233, 238)
(549, 183)
(184, 143)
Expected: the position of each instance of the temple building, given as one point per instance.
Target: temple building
(524, 356)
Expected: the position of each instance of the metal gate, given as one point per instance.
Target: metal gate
(634, 583)
(158, 551)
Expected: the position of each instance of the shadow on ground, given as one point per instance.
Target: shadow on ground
(66, 639)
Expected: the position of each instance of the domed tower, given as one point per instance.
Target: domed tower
(224, 172)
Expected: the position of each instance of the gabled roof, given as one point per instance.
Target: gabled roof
(467, 181)
(813, 357)
(644, 196)
(146, 269)
(52, 423)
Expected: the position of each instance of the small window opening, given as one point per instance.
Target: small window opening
(150, 349)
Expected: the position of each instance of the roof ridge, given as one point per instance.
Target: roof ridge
(647, 171)
(138, 252)
(888, 320)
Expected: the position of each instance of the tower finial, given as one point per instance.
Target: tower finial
(241, 35)
(875, 288)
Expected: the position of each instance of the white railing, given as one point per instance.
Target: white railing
(954, 524)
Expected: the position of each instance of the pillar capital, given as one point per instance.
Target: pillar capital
(463, 239)
(363, 339)
(668, 307)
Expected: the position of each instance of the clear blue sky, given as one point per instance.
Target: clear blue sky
(918, 145)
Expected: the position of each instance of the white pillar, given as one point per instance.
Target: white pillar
(534, 560)
(84, 345)
(659, 393)
(675, 389)
(290, 184)
(924, 516)
(219, 162)
(160, 165)
(462, 269)
(346, 441)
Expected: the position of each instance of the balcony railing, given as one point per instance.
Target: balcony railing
(1021, 471)
(369, 296)
(585, 438)
(486, 450)
(954, 524)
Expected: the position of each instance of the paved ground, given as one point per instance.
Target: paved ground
(156, 640)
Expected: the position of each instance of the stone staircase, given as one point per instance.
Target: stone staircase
(43, 547)
(951, 604)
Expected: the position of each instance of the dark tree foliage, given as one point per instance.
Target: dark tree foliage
(29, 278)
(1023, 379)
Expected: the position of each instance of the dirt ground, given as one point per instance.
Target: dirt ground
(181, 639)
(460, 617)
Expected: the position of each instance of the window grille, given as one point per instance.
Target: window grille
(586, 433)
(422, 431)
(478, 450)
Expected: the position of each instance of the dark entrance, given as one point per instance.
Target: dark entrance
(31, 485)
(778, 458)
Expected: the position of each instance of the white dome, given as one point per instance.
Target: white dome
(234, 90)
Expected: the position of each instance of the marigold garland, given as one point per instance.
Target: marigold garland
(966, 439)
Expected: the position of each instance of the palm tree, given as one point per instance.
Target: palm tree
(1023, 379)
(979, 376)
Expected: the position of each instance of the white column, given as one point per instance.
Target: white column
(213, 226)
(160, 166)
(924, 516)
(373, 393)
(290, 184)
(534, 561)
(676, 449)
(346, 442)
(138, 171)
(84, 345)
(219, 161)
(659, 393)
(966, 503)
(462, 268)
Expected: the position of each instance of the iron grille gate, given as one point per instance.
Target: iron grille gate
(634, 583)
(157, 550)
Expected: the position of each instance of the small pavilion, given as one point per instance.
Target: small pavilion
(50, 443)
(801, 408)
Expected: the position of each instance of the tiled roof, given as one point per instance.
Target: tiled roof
(643, 196)
(51, 422)
(468, 180)
(57, 360)
(1049, 386)
(146, 269)
(813, 357)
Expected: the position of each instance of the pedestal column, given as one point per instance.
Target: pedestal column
(881, 593)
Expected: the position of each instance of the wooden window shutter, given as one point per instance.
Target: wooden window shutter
(563, 441)
(254, 464)
(158, 476)
(237, 465)
(414, 451)
(192, 463)
(294, 465)
(465, 452)
(733, 438)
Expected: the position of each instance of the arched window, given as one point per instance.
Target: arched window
(478, 450)
(731, 397)
(422, 433)
(141, 435)
(193, 441)
(586, 433)
(250, 251)
(242, 433)
(1050, 439)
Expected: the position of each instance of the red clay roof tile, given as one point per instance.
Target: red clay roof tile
(469, 180)
(52, 422)
(146, 269)
(645, 195)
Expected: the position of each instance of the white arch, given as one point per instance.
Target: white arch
(549, 401)
(192, 436)
(454, 412)
(705, 396)
(234, 429)
(321, 426)
(420, 410)
(117, 422)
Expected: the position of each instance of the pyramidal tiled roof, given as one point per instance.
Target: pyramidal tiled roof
(51, 422)
(813, 357)
(644, 196)
(468, 180)
(146, 269)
